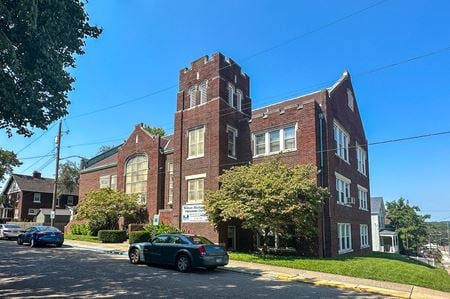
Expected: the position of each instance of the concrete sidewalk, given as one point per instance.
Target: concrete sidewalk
(281, 273)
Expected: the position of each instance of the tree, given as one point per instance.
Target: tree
(104, 149)
(268, 197)
(102, 208)
(410, 226)
(69, 175)
(8, 161)
(155, 131)
(38, 42)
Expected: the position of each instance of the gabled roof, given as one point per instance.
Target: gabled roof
(167, 143)
(35, 184)
(376, 204)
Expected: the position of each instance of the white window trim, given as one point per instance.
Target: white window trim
(359, 201)
(346, 250)
(240, 96)
(349, 182)
(337, 124)
(70, 203)
(235, 132)
(231, 90)
(105, 177)
(171, 180)
(34, 197)
(281, 140)
(361, 236)
(204, 133)
(192, 95)
(195, 176)
(34, 213)
(363, 151)
(203, 85)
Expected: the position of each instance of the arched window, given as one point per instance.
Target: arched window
(136, 177)
(230, 94)
(192, 96)
(239, 96)
(203, 91)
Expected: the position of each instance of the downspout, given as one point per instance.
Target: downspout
(321, 178)
(180, 167)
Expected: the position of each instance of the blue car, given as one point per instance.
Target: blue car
(41, 235)
(181, 250)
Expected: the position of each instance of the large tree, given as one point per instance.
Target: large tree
(8, 160)
(406, 221)
(268, 197)
(39, 40)
(69, 175)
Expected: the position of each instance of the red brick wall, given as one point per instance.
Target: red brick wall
(90, 181)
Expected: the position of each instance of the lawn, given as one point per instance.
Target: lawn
(82, 238)
(377, 266)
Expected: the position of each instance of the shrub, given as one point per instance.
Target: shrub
(80, 229)
(161, 229)
(139, 236)
(112, 236)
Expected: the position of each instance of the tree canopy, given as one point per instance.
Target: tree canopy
(268, 197)
(8, 161)
(155, 131)
(406, 221)
(68, 177)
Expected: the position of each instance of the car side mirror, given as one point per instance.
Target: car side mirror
(149, 241)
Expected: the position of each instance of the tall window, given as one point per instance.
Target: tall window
(344, 237)
(105, 181)
(37, 197)
(170, 193)
(196, 142)
(361, 156)
(192, 96)
(364, 233)
(275, 141)
(342, 140)
(239, 97)
(350, 99)
(113, 182)
(203, 91)
(343, 189)
(362, 196)
(232, 134)
(195, 190)
(136, 177)
(230, 94)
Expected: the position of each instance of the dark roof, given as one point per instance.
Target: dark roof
(100, 157)
(58, 212)
(375, 204)
(33, 184)
(167, 143)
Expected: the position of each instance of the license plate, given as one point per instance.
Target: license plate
(218, 260)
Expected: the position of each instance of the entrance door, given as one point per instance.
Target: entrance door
(231, 240)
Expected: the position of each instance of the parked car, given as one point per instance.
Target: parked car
(9, 231)
(41, 235)
(181, 250)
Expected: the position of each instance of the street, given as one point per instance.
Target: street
(44, 272)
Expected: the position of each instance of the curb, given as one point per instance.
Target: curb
(96, 249)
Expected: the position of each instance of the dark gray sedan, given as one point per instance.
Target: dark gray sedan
(181, 250)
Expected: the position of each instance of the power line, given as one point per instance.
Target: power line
(41, 158)
(36, 139)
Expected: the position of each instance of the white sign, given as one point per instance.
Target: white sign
(194, 213)
(52, 215)
(156, 219)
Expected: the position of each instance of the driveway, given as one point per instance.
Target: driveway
(45, 272)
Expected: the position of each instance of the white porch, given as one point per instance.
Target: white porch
(389, 241)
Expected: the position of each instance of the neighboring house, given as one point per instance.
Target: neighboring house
(383, 239)
(215, 128)
(62, 217)
(6, 212)
(27, 194)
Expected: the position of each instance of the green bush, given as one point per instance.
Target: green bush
(112, 236)
(139, 236)
(161, 229)
(80, 229)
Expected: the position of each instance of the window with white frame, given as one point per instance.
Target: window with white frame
(33, 211)
(350, 99)
(203, 88)
(344, 237)
(192, 96)
(239, 96)
(362, 196)
(16, 213)
(361, 157)
(343, 189)
(196, 142)
(70, 200)
(105, 181)
(342, 140)
(364, 233)
(230, 94)
(136, 177)
(232, 137)
(275, 141)
(170, 192)
(196, 190)
(113, 182)
(37, 197)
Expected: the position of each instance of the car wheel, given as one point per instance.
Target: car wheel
(19, 241)
(59, 244)
(135, 256)
(33, 243)
(183, 263)
(211, 268)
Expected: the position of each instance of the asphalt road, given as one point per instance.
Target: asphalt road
(49, 272)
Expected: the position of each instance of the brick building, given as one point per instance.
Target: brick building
(215, 128)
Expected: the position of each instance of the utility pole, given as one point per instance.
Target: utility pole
(55, 186)
(448, 238)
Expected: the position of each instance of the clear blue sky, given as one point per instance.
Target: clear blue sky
(146, 43)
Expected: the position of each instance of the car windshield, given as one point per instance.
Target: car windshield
(199, 240)
(47, 228)
(11, 226)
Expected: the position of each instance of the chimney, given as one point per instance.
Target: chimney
(36, 174)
